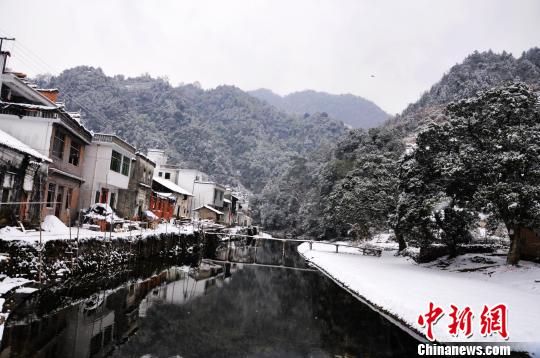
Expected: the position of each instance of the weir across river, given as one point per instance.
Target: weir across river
(261, 250)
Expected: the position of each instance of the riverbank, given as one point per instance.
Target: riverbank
(94, 260)
(403, 289)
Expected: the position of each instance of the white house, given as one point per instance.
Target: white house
(182, 197)
(106, 170)
(34, 118)
(205, 191)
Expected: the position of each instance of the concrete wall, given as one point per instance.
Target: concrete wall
(136, 199)
(36, 132)
(60, 208)
(203, 194)
(63, 163)
(187, 177)
(206, 214)
(98, 175)
(19, 183)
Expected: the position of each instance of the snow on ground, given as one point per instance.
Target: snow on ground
(52, 224)
(7, 284)
(404, 289)
(54, 231)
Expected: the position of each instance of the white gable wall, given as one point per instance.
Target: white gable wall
(35, 132)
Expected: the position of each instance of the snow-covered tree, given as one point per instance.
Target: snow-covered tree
(487, 157)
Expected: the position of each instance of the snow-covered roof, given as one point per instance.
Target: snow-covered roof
(171, 186)
(145, 157)
(113, 138)
(28, 106)
(227, 201)
(15, 144)
(22, 88)
(66, 174)
(75, 116)
(145, 185)
(210, 208)
(165, 195)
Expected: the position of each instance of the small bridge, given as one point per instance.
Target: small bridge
(258, 250)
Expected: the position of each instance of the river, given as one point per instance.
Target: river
(239, 311)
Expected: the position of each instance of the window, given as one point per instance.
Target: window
(96, 199)
(5, 195)
(116, 161)
(74, 153)
(167, 175)
(160, 174)
(69, 194)
(107, 336)
(59, 200)
(8, 180)
(95, 344)
(50, 194)
(125, 166)
(58, 144)
(104, 195)
(113, 200)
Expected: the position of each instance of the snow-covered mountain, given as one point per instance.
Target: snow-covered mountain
(355, 111)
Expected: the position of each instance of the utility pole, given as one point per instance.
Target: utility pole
(2, 39)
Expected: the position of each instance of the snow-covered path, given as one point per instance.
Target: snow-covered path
(404, 289)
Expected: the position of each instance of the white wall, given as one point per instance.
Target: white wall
(186, 177)
(33, 131)
(203, 194)
(157, 156)
(97, 173)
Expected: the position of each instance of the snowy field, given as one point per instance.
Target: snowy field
(402, 288)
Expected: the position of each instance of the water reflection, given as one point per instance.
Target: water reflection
(236, 311)
(264, 312)
(94, 326)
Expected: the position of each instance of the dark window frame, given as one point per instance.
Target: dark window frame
(74, 153)
(112, 200)
(125, 165)
(116, 161)
(59, 143)
(69, 195)
(51, 194)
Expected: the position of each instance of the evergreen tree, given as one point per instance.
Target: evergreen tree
(485, 158)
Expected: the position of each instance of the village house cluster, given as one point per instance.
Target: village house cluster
(50, 164)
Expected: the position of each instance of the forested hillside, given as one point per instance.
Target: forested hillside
(357, 187)
(355, 111)
(479, 71)
(233, 136)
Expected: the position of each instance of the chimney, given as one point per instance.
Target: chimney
(50, 93)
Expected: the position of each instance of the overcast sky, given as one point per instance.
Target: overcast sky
(333, 46)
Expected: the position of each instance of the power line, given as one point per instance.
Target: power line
(40, 65)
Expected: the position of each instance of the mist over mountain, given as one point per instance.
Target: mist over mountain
(225, 132)
(357, 112)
